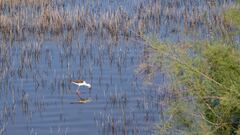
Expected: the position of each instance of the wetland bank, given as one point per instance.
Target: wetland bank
(47, 44)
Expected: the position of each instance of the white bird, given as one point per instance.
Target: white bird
(81, 83)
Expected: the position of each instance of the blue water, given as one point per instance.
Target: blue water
(36, 90)
(39, 90)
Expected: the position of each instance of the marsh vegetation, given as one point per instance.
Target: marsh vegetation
(203, 81)
(45, 44)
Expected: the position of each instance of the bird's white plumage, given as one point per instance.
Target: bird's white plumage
(82, 84)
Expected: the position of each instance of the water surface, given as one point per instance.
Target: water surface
(36, 73)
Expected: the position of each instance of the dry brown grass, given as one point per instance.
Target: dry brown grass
(5, 23)
(15, 3)
(50, 16)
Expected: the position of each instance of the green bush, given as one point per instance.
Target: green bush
(205, 82)
(232, 16)
(209, 73)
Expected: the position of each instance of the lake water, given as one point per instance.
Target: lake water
(36, 92)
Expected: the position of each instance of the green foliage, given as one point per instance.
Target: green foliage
(232, 15)
(238, 1)
(182, 121)
(220, 90)
(231, 20)
(210, 73)
(205, 83)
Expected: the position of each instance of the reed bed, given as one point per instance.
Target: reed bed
(19, 18)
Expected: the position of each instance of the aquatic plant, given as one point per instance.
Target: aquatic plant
(24, 18)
